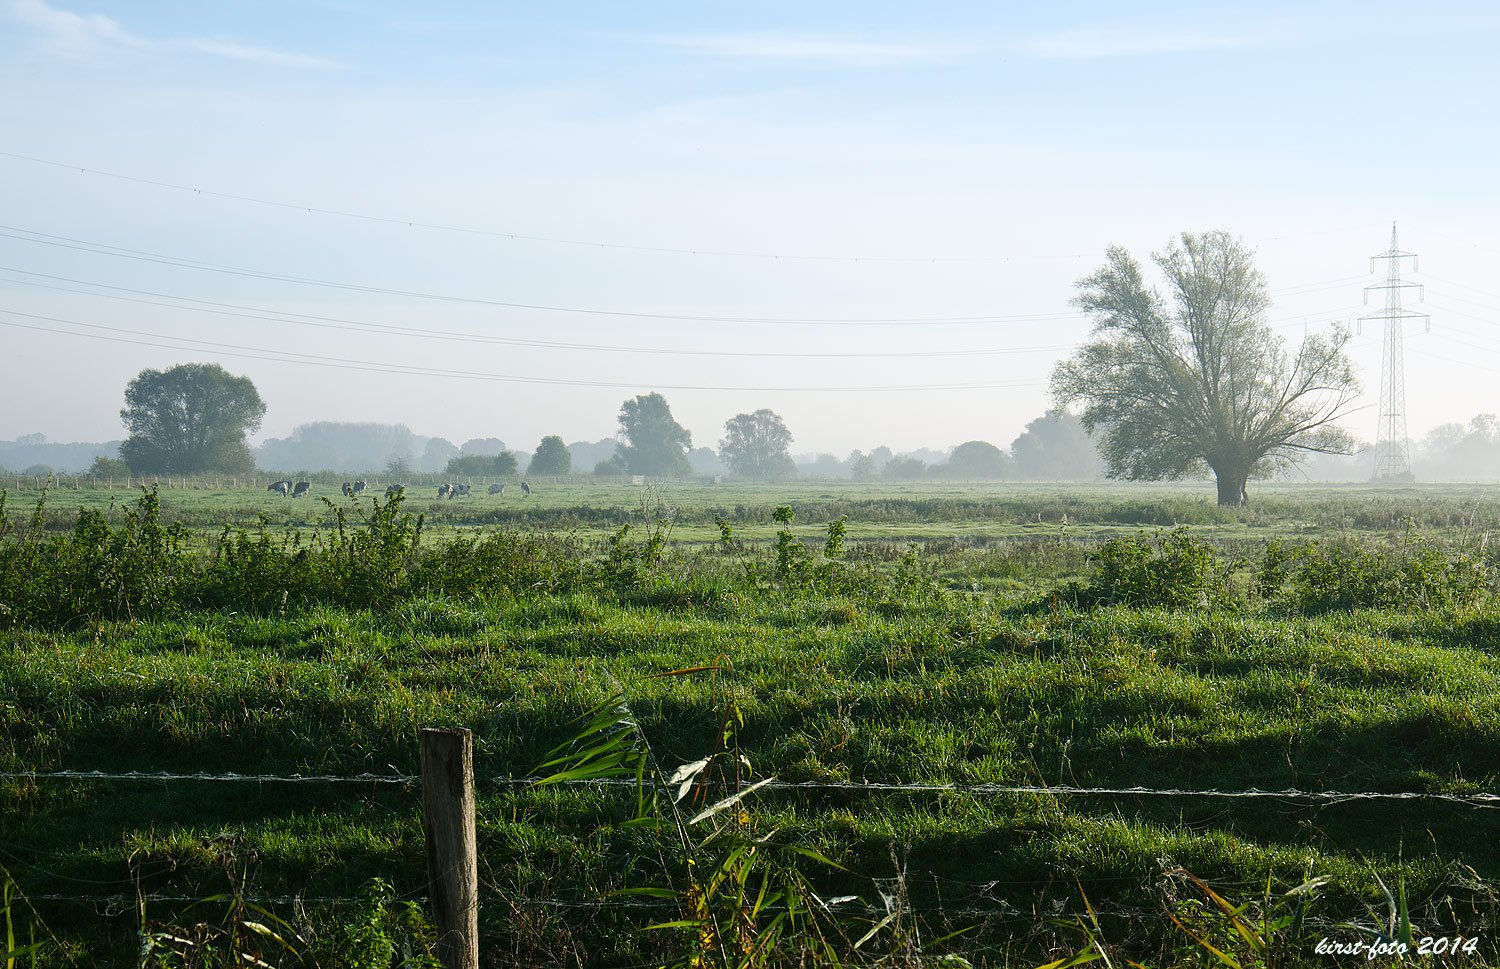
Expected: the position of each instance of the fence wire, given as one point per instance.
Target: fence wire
(869, 787)
(95, 775)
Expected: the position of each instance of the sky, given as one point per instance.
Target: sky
(503, 220)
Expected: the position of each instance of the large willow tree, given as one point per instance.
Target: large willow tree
(1196, 380)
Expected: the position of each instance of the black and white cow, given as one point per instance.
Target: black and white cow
(497, 489)
(525, 488)
(358, 488)
(392, 491)
(301, 489)
(445, 491)
(464, 490)
(282, 488)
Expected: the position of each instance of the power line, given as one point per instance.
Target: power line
(523, 237)
(360, 326)
(122, 252)
(288, 356)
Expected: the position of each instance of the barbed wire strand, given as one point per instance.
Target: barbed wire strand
(1290, 793)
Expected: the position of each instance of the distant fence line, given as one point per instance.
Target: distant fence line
(375, 485)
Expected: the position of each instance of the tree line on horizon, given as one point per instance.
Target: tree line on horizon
(1185, 383)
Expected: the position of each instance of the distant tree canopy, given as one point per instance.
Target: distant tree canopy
(1200, 381)
(482, 465)
(862, 467)
(192, 417)
(482, 445)
(755, 445)
(1055, 447)
(611, 466)
(904, 468)
(978, 461)
(104, 467)
(824, 466)
(1453, 452)
(551, 457)
(705, 460)
(338, 446)
(438, 452)
(657, 444)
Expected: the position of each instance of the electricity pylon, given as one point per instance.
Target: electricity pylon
(1392, 452)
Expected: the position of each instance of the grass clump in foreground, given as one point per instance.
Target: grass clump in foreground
(839, 662)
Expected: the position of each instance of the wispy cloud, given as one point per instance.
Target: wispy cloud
(86, 36)
(793, 47)
(69, 34)
(1124, 42)
(241, 52)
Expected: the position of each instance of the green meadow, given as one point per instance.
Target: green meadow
(1035, 636)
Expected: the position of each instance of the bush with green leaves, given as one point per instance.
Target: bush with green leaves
(1332, 575)
(93, 573)
(1169, 571)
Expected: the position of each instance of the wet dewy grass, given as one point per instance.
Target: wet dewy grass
(899, 665)
(963, 691)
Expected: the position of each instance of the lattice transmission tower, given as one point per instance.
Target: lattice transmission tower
(1392, 451)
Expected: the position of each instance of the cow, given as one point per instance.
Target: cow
(282, 488)
(393, 491)
(445, 491)
(525, 488)
(464, 490)
(301, 489)
(347, 490)
(358, 488)
(497, 489)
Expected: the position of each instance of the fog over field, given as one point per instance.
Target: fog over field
(501, 223)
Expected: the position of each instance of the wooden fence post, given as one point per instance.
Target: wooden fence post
(452, 856)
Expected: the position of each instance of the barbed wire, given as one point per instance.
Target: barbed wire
(1290, 794)
(230, 776)
(1294, 794)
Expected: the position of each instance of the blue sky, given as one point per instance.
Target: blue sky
(715, 170)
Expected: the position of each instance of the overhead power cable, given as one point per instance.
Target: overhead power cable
(342, 363)
(525, 237)
(360, 326)
(101, 249)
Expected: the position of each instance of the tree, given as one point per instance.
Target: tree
(611, 466)
(1198, 381)
(904, 468)
(438, 452)
(190, 418)
(1055, 447)
(657, 443)
(756, 445)
(501, 465)
(977, 461)
(482, 445)
(106, 467)
(337, 446)
(551, 457)
(861, 466)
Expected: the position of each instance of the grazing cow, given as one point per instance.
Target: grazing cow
(358, 488)
(464, 490)
(497, 489)
(282, 488)
(347, 490)
(445, 491)
(301, 489)
(525, 488)
(394, 490)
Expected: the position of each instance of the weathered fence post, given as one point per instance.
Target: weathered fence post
(452, 858)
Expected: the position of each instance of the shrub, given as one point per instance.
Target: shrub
(1171, 571)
